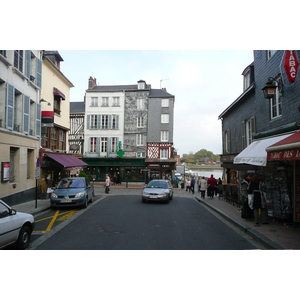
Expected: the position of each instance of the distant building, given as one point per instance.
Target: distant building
(129, 130)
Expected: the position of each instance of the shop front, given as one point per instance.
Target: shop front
(119, 169)
(54, 167)
(159, 169)
(285, 155)
(277, 176)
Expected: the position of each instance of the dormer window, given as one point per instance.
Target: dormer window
(141, 85)
(248, 77)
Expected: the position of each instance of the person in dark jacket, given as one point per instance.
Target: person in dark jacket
(259, 206)
(247, 212)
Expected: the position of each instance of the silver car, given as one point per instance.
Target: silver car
(72, 191)
(15, 227)
(158, 190)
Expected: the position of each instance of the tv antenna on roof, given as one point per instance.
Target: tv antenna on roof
(162, 80)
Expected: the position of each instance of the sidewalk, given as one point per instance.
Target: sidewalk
(275, 235)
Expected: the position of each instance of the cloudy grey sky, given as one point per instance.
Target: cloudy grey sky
(204, 83)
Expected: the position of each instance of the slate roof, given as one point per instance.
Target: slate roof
(77, 107)
(115, 88)
(159, 93)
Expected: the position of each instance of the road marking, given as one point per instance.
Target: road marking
(67, 215)
(52, 221)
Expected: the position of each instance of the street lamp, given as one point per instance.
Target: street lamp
(270, 88)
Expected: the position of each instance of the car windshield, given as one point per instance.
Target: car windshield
(71, 183)
(157, 184)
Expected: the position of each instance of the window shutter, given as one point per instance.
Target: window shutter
(110, 122)
(10, 103)
(243, 135)
(38, 72)
(38, 120)
(99, 121)
(88, 121)
(27, 63)
(117, 122)
(253, 126)
(228, 141)
(26, 114)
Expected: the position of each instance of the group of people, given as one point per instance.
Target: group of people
(212, 186)
(252, 187)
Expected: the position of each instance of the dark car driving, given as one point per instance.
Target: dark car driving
(72, 191)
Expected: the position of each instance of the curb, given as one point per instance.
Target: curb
(252, 232)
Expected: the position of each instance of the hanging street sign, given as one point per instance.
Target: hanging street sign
(291, 65)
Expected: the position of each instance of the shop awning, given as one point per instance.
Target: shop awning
(57, 92)
(256, 154)
(285, 149)
(69, 162)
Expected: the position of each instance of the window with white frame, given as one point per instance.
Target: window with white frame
(103, 145)
(140, 104)
(104, 101)
(140, 122)
(164, 118)
(18, 60)
(164, 153)
(116, 101)
(164, 136)
(94, 121)
(164, 102)
(93, 144)
(94, 101)
(114, 122)
(275, 105)
(113, 144)
(139, 140)
(226, 141)
(270, 53)
(248, 129)
(247, 79)
(104, 121)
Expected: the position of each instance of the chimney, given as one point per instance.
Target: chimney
(164, 89)
(92, 82)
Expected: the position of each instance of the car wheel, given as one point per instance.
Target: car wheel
(24, 238)
(85, 203)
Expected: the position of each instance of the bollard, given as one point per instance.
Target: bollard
(127, 184)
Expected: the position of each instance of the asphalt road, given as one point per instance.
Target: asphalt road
(125, 223)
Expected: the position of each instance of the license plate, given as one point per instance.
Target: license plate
(66, 201)
(153, 197)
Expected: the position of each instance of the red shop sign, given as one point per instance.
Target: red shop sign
(291, 65)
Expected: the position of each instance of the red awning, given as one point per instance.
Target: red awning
(57, 92)
(69, 162)
(286, 149)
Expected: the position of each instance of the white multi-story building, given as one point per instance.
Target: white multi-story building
(20, 122)
(104, 109)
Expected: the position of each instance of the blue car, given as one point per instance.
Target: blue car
(72, 191)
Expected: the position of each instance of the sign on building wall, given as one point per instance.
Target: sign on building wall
(291, 65)
(5, 166)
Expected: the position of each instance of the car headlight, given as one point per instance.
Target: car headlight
(80, 194)
(53, 195)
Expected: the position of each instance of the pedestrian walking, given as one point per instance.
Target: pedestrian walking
(203, 187)
(198, 183)
(193, 181)
(188, 184)
(259, 204)
(247, 212)
(220, 187)
(212, 185)
(107, 184)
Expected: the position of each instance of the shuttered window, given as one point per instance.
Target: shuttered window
(10, 103)
(26, 114)
(27, 63)
(38, 73)
(38, 120)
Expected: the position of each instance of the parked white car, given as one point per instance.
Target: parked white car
(15, 227)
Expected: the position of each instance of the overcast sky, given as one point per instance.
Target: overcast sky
(203, 82)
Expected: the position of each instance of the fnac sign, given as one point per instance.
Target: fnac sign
(291, 65)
